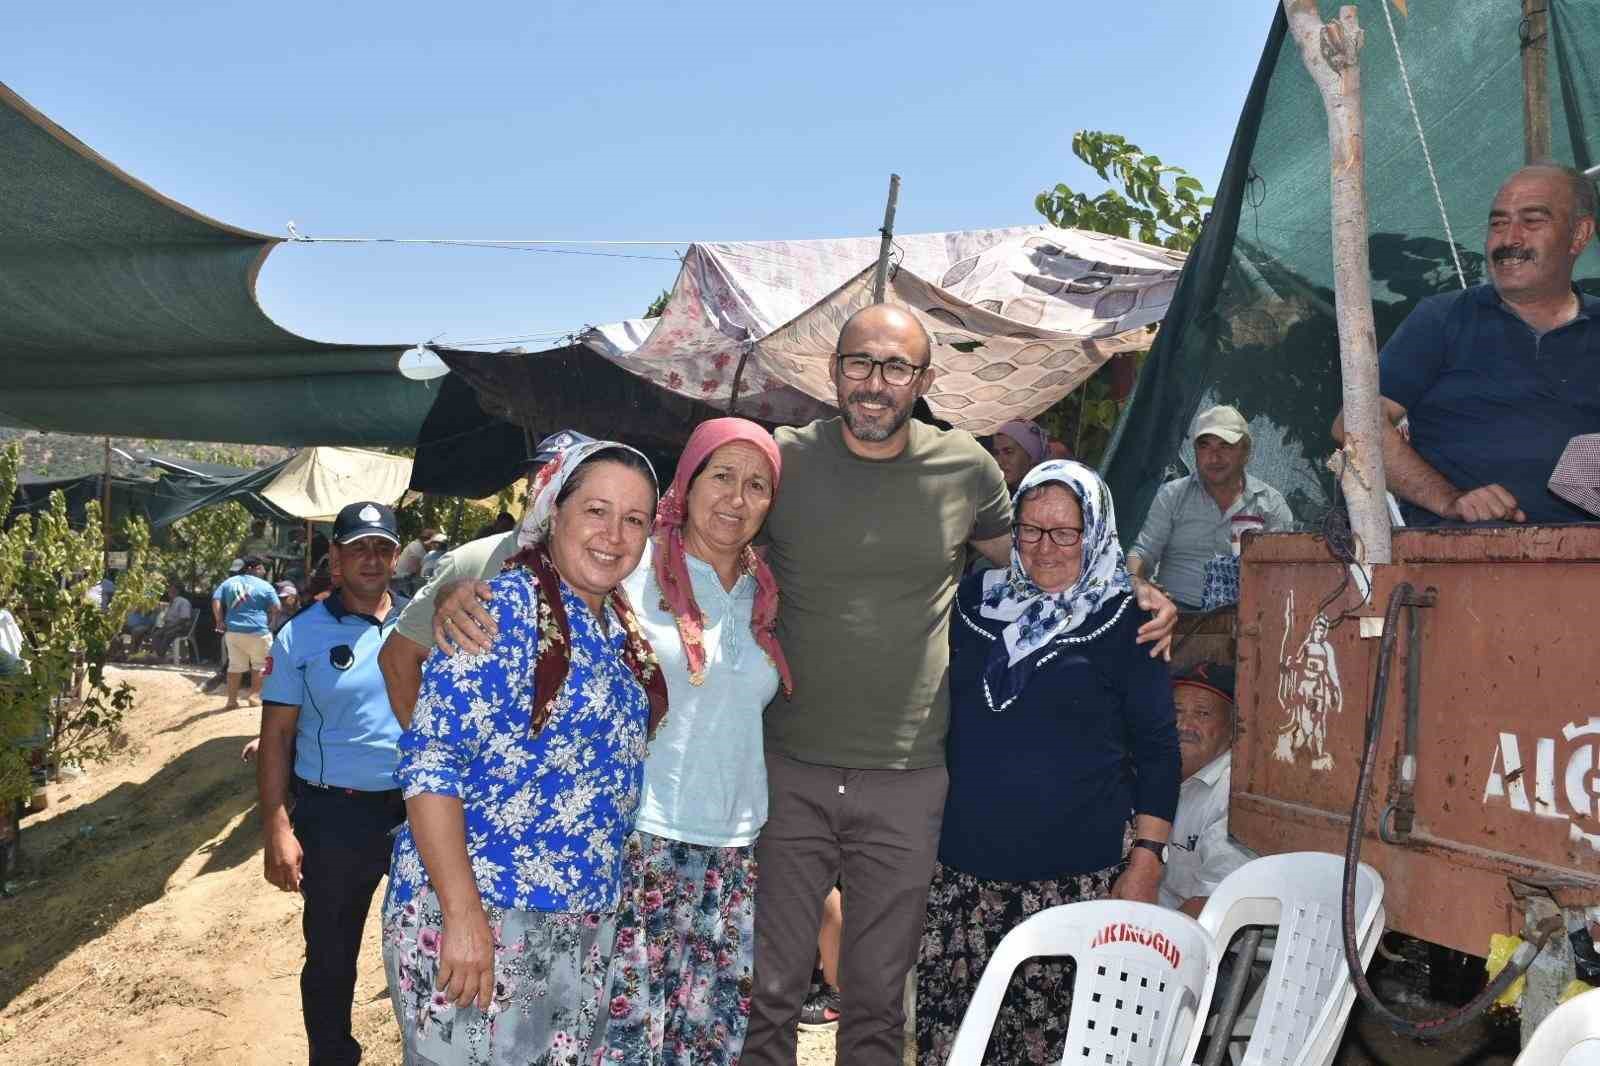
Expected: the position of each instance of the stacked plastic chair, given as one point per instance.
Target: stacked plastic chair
(1307, 995)
(1144, 976)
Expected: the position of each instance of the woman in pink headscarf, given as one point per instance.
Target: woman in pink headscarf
(1019, 446)
(681, 969)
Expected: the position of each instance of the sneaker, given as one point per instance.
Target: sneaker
(821, 1008)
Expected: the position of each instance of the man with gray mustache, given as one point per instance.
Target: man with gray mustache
(1495, 379)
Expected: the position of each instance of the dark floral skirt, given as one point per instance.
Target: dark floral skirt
(680, 968)
(967, 918)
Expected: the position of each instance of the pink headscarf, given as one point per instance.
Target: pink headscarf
(1029, 437)
(672, 567)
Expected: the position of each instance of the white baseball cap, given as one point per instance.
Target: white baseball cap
(1220, 421)
(236, 566)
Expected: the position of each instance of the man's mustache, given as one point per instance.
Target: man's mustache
(881, 398)
(1189, 736)
(1511, 251)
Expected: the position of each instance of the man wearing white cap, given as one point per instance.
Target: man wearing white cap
(1196, 518)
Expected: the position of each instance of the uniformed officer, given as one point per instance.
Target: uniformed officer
(325, 714)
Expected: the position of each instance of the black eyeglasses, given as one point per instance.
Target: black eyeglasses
(896, 372)
(1060, 536)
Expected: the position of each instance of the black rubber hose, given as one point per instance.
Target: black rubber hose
(1525, 954)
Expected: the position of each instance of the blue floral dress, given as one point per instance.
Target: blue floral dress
(546, 816)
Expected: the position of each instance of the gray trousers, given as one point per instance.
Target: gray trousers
(877, 833)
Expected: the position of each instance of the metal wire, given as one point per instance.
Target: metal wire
(1427, 156)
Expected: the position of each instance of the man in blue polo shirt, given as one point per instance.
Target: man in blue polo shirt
(1495, 380)
(327, 732)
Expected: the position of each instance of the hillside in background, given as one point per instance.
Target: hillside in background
(66, 455)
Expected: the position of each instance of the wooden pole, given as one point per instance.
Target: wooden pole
(1535, 34)
(880, 283)
(1332, 55)
(105, 499)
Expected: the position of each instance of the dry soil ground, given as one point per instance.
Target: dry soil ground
(142, 931)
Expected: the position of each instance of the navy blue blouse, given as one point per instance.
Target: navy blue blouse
(1045, 788)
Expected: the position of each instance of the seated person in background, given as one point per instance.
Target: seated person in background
(409, 564)
(1194, 518)
(1495, 379)
(1202, 853)
(175, 622)
(437, 545)
(138, 626)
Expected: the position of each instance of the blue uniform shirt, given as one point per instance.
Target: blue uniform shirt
(1491, 401)
(325, 661)
(245, 600)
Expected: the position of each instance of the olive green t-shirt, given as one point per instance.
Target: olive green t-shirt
(867, 554)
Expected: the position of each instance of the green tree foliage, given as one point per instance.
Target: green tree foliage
(439, 512)
(62, 701)
(1146, 209)
(658, 305)
(201, 545)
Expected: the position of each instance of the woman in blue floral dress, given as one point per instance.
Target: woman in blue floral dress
(681, 972)
(522, 771)
(1061, 731)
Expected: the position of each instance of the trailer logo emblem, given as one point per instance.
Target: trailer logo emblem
(1308, 691)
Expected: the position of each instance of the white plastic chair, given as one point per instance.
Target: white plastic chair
(1307, 995)
(1570, 1036)
(1144, 975)
(187, 638)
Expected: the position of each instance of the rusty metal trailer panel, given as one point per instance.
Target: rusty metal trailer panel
(1508, 744)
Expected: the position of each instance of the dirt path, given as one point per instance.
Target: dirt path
(143, 932)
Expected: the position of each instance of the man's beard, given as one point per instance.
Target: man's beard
(874, 432)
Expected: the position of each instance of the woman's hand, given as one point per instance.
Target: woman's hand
(466, 959)
(460, 622)
(1141, 879)
(1158, 629)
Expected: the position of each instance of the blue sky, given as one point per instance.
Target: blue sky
(609, 121)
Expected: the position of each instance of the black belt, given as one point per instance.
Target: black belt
(386, 794)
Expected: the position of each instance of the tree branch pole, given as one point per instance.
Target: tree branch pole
(880, 283)
(1535, 32)
(1332, 55)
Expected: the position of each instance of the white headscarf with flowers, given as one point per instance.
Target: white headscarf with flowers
(566, 450)
(1034, 618)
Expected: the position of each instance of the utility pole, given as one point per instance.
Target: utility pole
(880, 283)
(1332, 55)
(1534, 31)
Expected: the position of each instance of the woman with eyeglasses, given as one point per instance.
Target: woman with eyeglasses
(1061, 730)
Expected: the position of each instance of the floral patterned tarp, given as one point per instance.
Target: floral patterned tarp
(1019, 317)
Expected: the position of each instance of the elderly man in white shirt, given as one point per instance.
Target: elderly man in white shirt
(1202, 853)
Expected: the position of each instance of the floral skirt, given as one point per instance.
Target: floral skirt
(967, 918)
(549, 975)
(680, 971)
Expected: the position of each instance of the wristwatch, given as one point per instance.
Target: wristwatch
(1153, 845)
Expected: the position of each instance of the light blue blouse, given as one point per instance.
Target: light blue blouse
(705, 780)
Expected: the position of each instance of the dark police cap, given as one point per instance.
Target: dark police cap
(365, 519)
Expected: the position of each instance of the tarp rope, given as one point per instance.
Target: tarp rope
(1427, 156)
(296, 237)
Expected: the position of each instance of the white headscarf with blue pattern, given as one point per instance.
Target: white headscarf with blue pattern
(1033, 618)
